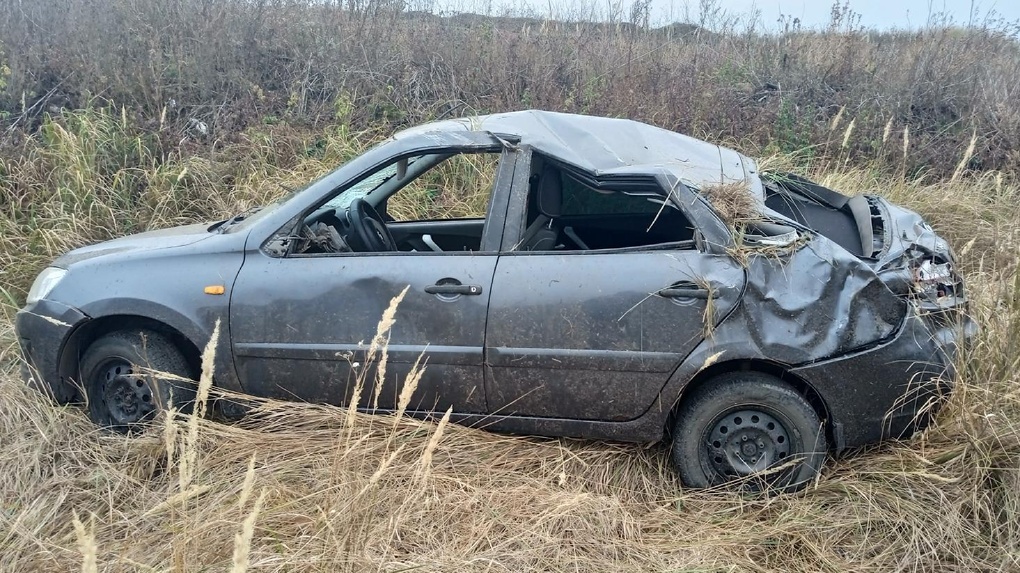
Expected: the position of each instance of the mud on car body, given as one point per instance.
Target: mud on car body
(596, 291)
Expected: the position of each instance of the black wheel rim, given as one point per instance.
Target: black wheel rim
(126, 395)
(742, 443)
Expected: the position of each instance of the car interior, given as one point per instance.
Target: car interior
(568, 211)
(433, 202)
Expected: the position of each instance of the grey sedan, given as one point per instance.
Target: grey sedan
(566, 276)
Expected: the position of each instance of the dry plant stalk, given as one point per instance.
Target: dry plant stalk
(242, 541)
(381, 471)
(248, 484)
(425, 465)
(848, 132)
(410, 385)
(179, 498)
(708, 316)
(835, 120)
(189, 452)
(86, 540)
(381, 340)
(967, 155)
(170, 430)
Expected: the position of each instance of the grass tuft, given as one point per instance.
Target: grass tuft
(732, 201)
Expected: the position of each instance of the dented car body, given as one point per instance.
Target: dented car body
(602, 293)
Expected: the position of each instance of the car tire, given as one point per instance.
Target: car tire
(735, 427)
(119, 372)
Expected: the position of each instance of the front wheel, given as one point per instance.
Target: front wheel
(121, 373)
(750, 429)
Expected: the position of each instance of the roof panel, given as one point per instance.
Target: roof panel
(606, 146)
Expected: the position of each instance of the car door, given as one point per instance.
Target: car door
(300, 325)
(594, 333)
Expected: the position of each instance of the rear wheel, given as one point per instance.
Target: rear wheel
(125, 376)
(751, 429)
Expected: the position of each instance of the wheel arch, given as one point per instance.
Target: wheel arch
(779, 371)
(86, 334)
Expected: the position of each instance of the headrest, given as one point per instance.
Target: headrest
(550, 192)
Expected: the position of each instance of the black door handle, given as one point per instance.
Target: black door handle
(449, 289)
(685, 289)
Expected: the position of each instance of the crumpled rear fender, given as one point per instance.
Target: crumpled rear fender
(813, 304)
(816, 302)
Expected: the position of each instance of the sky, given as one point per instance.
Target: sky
(879, 14)
(815, 14)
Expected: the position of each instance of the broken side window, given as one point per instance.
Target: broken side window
(567, 214)
(433, 202)
(457, 188)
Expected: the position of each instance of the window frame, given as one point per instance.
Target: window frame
(493, 221)
(517, 213)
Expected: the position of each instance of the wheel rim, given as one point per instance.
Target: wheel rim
(745, 442)
(126, 394)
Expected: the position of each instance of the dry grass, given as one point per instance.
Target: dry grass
(227, 64)
(352, 492)
(91, 175)
(457, 188)
(298, 487)
(732, 201)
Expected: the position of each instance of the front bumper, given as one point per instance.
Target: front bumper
(43, 330)
(895, 388)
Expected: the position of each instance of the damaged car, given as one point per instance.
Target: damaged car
(565, 275)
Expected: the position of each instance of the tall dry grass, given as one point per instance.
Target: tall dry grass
(228, 65)
(337, 491)
(319, 488)
(94, 174)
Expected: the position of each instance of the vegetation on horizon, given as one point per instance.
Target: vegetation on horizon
(212, 68)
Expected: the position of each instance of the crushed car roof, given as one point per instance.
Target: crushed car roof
(608, 146)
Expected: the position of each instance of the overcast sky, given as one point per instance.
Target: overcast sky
(881, 14)
(873, 13)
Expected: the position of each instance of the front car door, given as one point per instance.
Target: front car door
(300, 323)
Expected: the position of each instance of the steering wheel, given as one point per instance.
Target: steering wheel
(369, 227)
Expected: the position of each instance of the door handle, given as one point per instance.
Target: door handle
(449, 289)
(685, 289)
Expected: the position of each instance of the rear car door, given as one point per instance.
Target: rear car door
(592, 327)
